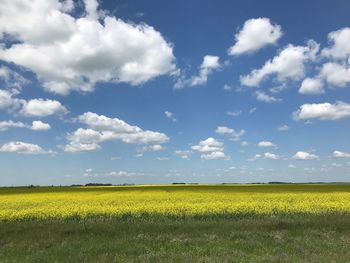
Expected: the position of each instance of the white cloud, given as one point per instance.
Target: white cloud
(22, 147)
(255, 34)
(162, 158)
(336, 165)
(256, 157)
(209, 64)
(215, 156)
(211, 149)
(265, 144)
(262, 96)
(234, 113)
(234, 135)
(83, 140)
(42, 108)
(102, 128)
(209, 145)
(36, 125)
(149, 148)
(340, 154)
(40, 126)
(287, 65)
(335, 74)
(340, 40)
(184, 154)
(227, 87)
(283, 128)
(244, 143)
(323, 111)
(279, 88)
(89, 173)
(7, 100)
(73, 53)
(271, 156)
(252, 110)
(311, 86)
(123, 174)
(118, 129)
(5, 125)
(12, 79)
(304, 156)
(170, 116)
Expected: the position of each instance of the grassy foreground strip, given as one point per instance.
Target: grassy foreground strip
(309, 238)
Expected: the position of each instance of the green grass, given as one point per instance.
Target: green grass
(268, 239)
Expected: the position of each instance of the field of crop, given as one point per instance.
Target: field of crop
(179, 223)
(172, 201)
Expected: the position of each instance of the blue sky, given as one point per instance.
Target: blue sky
(174, 91)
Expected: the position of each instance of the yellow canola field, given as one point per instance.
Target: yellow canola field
(172, 200)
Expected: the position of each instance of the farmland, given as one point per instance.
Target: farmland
(207, 223)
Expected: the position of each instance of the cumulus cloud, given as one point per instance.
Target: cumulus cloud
(264, 97)
(162, 159)
(335, 74)
(209, 145)
(42, 108)
(304, 156)
(267, 155)
(252, 110)
(256, 157)
(5, 125)
(170, 116)
(83, 140)
(287, 65)
(23, 148)
(231, 133)
(311, 86)
(102, 128)
(12, 79)
(227, 87)
(265, 144)
(244, 143)
(209, 64)
(271, 156)
(340, 48)
(255, 34)
(40, 126)
(90, 173)
(215, 156)
(7, 99)
(36, 125)
(283, 128)
(340, 154)
(74, 53)
(123, 174)
(211, 149)
(234, 113)
(149, 148)
(279, 88)
(323, 111)
(31, 108)
(184, 154)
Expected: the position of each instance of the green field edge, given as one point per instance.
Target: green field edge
(160, 217)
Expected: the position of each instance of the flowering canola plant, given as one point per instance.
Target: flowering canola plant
(171, 200)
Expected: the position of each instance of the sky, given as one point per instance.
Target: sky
(154, 92)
